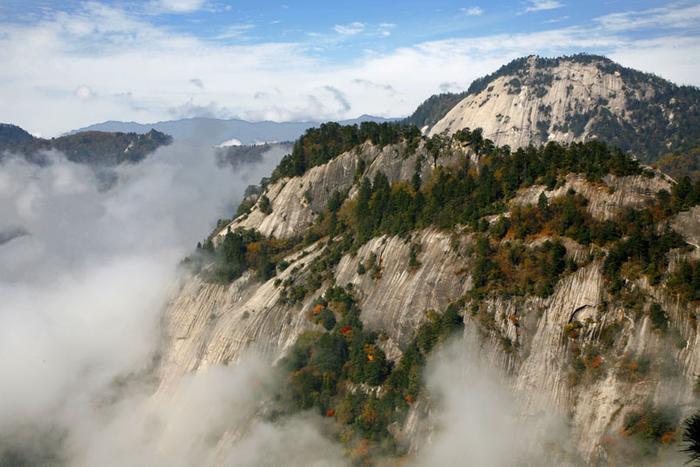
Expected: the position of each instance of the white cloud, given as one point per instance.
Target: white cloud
(235, 31)
(384, 29)
(665, 17)
(557, 20)
(539, 5)
(276, 81)
(349, 29)
(473, 11)
(84, 92)
(475, 414)
(178, 6)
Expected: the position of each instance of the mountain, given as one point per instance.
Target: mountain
(570, 271)
(575, 98)
(215, 131)
(11, 135)
(92, 147)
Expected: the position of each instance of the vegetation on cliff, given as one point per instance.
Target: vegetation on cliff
(340, 368)
(466, 194)
(319, 145)
(342, 373)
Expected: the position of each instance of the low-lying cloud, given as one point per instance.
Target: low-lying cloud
(479, 420)
(84, 276)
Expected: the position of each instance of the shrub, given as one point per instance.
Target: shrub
(264, 205)
(651, 423)
(658, 317)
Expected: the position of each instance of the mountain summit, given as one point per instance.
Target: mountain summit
(533, 100)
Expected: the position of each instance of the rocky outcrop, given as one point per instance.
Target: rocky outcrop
(518, 110)
(606, 199)
(687, 223)
(533, 100)
(208, 324)
(395, 298)
(296, 202)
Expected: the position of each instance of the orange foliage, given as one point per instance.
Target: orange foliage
(669, 437)
(330, 413)
(361, 449)
(408, 399)
(317, 309)
(368, 414)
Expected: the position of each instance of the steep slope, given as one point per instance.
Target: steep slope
(578, 98)
(573, 282)
(93, 147)
(682, 164)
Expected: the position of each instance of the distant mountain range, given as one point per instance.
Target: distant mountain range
(92, 147)
(113, 142)
(215, 131)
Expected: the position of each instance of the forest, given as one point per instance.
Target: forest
(465, 195)
(340, 370)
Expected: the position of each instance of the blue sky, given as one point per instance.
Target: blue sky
(291, 60)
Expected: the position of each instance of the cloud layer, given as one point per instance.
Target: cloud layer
(69, 70)
(84, 284)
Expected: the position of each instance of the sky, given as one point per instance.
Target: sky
(68, 64)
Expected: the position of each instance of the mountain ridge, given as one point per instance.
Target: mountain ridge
(92, 147)
(572, 98)
(568, 267)
(214, 131)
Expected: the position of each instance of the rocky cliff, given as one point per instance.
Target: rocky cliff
(580, 352)
(535, 100)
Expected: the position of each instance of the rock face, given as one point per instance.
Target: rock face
(296, 202)
(529, 339)
(605, 200)
(208, 324)
(535, 100)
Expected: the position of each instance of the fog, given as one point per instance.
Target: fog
(479, 420)
(84, 275)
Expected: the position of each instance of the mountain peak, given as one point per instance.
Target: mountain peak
(12, 134)
(533, 100)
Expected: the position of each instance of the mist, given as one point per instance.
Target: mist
(84, 276)
(477, 418)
